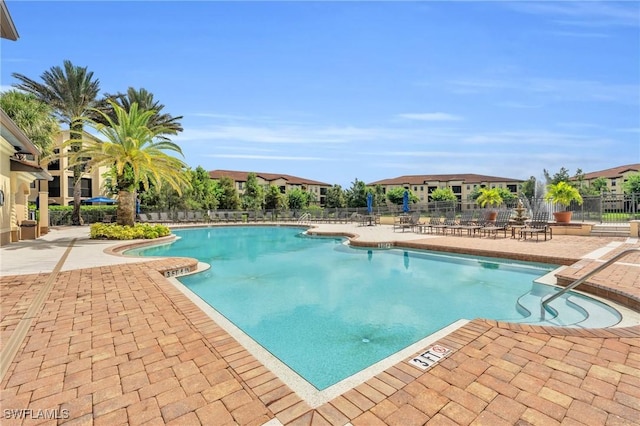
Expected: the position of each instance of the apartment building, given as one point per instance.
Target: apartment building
(462, 185)
(284, 182)
(614, 177)
(60, 188)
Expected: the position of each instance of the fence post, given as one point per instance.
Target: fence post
(600, 206)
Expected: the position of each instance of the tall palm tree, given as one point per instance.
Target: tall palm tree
(145, 101)
(33, 117)
(135, 153)
(72, 92)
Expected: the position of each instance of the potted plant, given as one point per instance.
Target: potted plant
(491, 197)
(562, 193)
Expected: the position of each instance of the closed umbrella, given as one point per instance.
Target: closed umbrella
(369, 203)
(405, 201)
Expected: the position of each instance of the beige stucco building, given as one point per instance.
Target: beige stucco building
(60, 187)
(615, 177)
(462, 185)
(19, 167)
(284, 182)
(19, 172)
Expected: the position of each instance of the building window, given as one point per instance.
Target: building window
(457, 189)
(422, 189)
(415, 189)
(85, 187)
(613, 182)
(468, 187)
(54, 165)
(513, 188)
(54, 187)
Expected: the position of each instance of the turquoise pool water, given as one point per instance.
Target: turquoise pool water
(328, 310)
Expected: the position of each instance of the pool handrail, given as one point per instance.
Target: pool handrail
(579, 281)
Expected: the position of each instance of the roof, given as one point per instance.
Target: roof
(15, 136)
(7, 28)
(20, 165)
(615, 172)
(421, 179)
(240, 176)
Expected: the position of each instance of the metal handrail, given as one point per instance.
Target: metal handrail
(587, 276)
(305, 218)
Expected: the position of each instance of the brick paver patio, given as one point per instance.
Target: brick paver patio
(121, 345)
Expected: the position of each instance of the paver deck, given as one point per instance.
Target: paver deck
(116, 342)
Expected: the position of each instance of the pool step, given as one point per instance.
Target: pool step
(564, 313)
(568, 311)
(599, 315)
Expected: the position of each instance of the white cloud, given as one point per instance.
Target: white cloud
(268, 157)
(430, 116)
(553, 90)
(583, 13)
(297, 135)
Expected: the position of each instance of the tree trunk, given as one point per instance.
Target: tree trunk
(126, 211)
(75, 133)
(76, 217)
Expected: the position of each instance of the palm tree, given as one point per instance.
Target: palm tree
(134, 153)
(145, 101)
(33, 117)
(72, 92)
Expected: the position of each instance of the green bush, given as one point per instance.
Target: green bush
(110, 231)
(61, 215)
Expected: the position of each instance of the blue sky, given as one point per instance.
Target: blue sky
(334, 91)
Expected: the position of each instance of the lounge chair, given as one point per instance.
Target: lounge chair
(466, 223)
(407, 222)
(501, 224)
(538, 225)
(434, 220)
(165, 218)
(449, 221)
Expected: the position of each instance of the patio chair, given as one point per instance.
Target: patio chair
(466, 222)
(501, 224)
(539, 224)
(408, 222)
(165, 218)
(449, 221)
(434, 220)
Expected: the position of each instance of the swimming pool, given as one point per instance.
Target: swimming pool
(327, 310)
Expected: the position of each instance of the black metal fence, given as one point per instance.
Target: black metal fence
(600, 209)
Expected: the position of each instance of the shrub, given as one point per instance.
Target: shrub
(110, 231)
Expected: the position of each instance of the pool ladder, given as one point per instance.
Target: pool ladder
(305, 218)
(579, 281)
